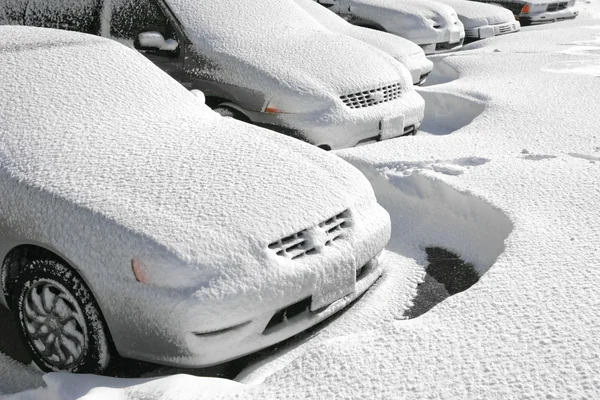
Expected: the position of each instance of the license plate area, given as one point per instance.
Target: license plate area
(391, 127)
(454, 37)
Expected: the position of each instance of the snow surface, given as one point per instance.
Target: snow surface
(98, 146)
(528, 162)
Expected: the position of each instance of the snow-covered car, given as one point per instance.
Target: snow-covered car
(323, 87)
(483, 20)
(403, 50)
(432, 25)
(538, 11)
(133, 218)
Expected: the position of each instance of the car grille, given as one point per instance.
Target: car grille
(506, 29)
(302, 243)
(557, 6)
(372, 97)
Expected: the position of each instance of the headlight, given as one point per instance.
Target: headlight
(168, 272)
(295, 104)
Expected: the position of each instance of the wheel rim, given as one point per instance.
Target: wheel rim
(54, 324)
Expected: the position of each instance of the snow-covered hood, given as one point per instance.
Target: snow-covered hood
(98, 126)
(273, 45)
(474, 14)
(398, 16)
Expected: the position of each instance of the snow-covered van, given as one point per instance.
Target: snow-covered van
(408, 53)
(133, 219)
(267, 62)
(432, 25)
(483, 20)
(538, 11)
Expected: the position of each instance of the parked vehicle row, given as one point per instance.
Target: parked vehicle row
(136, 221)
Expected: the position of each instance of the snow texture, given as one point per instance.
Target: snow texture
(104, 158)
(405, 51)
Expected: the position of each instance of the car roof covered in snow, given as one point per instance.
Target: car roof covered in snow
(270, 45)
(97, 125)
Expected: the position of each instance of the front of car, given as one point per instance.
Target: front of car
(483, 20)
(432, 25)
(323, 87)
(543, 11)
(406, 52)
(201, 238)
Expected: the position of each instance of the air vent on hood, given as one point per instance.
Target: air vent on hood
(372, 97)
(309, 241)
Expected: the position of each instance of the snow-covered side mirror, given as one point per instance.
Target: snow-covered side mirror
(151, 40)
(199, 94)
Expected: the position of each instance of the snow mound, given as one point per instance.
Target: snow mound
(62, 386)
(446, 112)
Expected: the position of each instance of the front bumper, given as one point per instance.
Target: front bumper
(344, 127)
(482, 32)
(451, 41)
(242, 312)
(548, 16)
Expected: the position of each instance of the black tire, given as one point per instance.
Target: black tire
(230, 112)
(53, 306)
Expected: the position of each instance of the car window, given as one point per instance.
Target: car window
(73, 15)
(131, 17)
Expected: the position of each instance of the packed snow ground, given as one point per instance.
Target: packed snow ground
(508, 178)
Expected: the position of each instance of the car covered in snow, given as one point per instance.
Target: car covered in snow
(135, 219)
(403, 50)
(530, 12)
(483, 20)
(319, 86)
(432, 25)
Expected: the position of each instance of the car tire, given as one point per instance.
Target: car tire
(230, 112)
(59, 320)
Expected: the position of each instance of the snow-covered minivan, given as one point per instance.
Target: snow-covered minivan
(432, 25)
(530, 12)
(267, 62)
